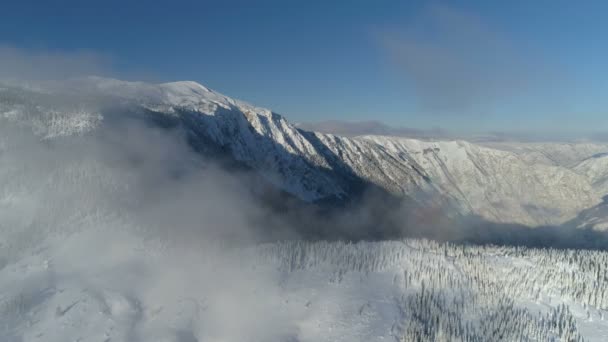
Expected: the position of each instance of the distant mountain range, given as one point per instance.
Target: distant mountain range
(358, 128)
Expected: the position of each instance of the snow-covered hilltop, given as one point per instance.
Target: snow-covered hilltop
(527, 184)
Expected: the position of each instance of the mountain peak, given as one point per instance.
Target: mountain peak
(186, 86)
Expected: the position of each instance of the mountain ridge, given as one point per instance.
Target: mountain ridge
(507, 184)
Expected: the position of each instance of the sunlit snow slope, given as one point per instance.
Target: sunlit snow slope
(595, 168)
(499, 185)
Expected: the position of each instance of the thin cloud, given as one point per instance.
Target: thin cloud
(39, 64)
(455, 61)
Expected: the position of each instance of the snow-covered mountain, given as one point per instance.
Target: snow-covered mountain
(552, 153)
(309, 165)
(595, 168)
(524, 184)
(114, 229)
(595, 218)
(497, 184)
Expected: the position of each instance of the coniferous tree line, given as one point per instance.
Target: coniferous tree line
(468, 292)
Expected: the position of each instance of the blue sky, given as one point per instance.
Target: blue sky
(463, 65)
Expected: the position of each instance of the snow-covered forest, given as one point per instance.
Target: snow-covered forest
(472, 293)
(409, 290)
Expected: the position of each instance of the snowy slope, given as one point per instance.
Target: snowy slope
(556, 154)
(594, 218)
(311, 166)
(595, 168)
(496, 184)
(269, 143)
(519, 184)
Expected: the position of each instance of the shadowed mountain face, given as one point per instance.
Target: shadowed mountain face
(323, 185)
